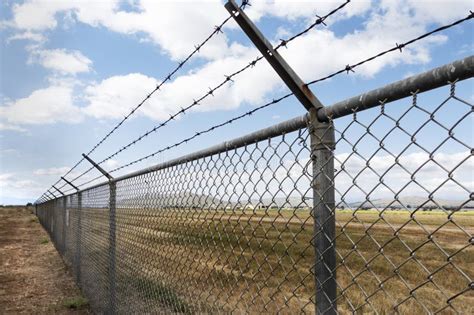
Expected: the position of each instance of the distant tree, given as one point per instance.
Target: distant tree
(29, 204)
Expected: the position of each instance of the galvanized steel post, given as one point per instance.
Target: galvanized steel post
(78, 238)
(63, 237)
(323, 212)
(322, 153)
(112, 227)
(112, 201)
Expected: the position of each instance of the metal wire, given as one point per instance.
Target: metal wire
(425, 252)
(398, 47)
(197, 48)
(233, 230)
(228, 79)
(350, 68)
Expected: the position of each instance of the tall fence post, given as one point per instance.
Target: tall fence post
(78, 238)
(63, 245)
(113, 195)
(322, 147)
(322, 156)
(112, 201)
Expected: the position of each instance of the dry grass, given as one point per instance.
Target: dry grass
(205, 261)
(33, 278)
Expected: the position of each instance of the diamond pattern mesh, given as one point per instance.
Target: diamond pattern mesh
(235, 231)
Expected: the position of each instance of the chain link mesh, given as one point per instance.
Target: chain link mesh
(406, 245)
(236, 231)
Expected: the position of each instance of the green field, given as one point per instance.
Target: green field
(190, 261)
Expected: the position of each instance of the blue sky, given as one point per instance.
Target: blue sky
(70, 70)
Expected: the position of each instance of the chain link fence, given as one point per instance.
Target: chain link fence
(362, 208)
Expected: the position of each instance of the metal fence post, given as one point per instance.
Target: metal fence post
(112, 201)
(322, 155)
(113, 194)
(78, 238)
(64, 225)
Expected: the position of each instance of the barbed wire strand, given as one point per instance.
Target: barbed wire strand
(217, 29)
(346, 69)
(197, 134)
(397, 47)
(350, 68)
(197, 48)
(211, 91)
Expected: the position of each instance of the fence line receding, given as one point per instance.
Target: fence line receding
(364, 206)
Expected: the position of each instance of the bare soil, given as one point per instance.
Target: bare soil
(33, 277)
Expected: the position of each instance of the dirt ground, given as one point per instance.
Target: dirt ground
(33, 277)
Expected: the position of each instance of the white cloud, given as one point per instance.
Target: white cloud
(177, 25)
(428, 175)
(10, 127)
(37, 15)
(12, 186)
(35, 37)
(110, 164)
(116, 96)
(61, 60)
(44, 106)
(435, 11)
(53, 171)
(304, 8)
(174, 25)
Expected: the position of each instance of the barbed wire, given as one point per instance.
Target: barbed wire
(228, 78)
(197, 134)
(398, 47)
(169, 76)
(347, 69)
(320, 20)
(217, 30)
(350, 68)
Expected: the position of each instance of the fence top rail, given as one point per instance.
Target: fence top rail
(458, 70)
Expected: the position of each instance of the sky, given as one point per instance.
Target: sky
(71, 70)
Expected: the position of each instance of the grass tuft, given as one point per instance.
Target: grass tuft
(44, 241)
(75, 303)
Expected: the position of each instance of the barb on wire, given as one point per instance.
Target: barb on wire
(228, 78)
(347, 68)
(211, 91)
(217, 29)
(251, 64)
(350, 68)
(196, 134)
(320, 20)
